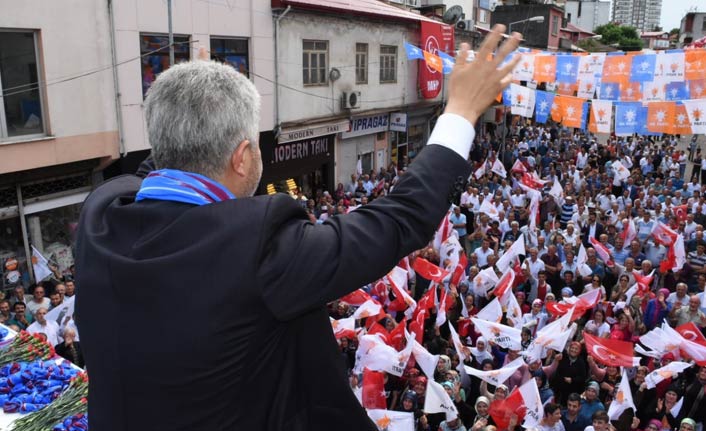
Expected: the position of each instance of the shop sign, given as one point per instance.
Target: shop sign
(302, 149)
(313, 131)
(368, 125)
(398, 122)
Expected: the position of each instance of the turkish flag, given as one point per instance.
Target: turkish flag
(643, 281)
(357, 298)
(460, 271)
(611, 352)
(374, 389)
(601, 250)
(397, 336)
(502, 411)
(680, 212)
(664, 235)
(586, 301)
(416, 326)
(519, 166)
(691, 332)
(464, 327)
(530, 181)
(380, 290)
(428, 300)
(504, 284)
(377, 328)
(428, 270)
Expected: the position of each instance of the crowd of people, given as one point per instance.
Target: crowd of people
(596, 233)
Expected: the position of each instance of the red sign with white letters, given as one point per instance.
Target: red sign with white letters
(435, 38)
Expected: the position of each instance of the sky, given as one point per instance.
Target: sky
(674, 10)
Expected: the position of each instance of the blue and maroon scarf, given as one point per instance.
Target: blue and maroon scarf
(180, 186)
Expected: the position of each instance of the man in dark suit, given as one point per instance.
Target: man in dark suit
(189, 240)
(593, 229)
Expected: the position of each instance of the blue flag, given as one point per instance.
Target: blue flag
(584, 116)
(507, 96)
(609, 91)
(677, 91)
(567, 68)
(447, 61)
(642, 119)
(643, 68)
(543, 105)
(413, 53)
(627, 117)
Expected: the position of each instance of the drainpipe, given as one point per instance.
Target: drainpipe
(116, 85)
(277, 20)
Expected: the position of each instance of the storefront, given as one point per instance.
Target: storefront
(367, 141)
(409, 134)
(42, 213)
(301, 158)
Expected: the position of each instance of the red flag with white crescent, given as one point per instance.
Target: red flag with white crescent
(611, 352)
(643, 282)
(518, 166)
(691, 332)
(680, 212)
(502, 410)
(505, 283)
(374, 390)
(357, 298)
(397, 335)
(428, 270)
(586, 301)
(629, 232)
(663, 234)
(601, 250)
(530, 181)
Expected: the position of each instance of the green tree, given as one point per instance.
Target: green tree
(673, 31)
(624, 37)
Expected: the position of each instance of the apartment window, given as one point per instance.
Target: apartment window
(555, 25)
(154, 51)
(388, 64)
(703, 24)
(482, 16)
(314, 61)
(361, 63)
(21, 108)
(231, 51)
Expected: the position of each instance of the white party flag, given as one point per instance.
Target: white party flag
(502, 335)
(426, 361)
(61, 312)
(40, 265)
(524, 71)
(622, 400)
(696, 110)
(460, 348)
(481, 170)
(621, 172)
(367, 309)
(492, 312)
(677, 408)
(484, 281)
(602, 115)
(489, 209)
(437, 400)
(533, 404)
(389, 420)
(670, 370)
(338, 326)
(508, 258)
(523, 100)
(498, 168)
(499, 376)
(375, 355)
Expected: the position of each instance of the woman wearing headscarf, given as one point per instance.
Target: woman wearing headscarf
(442, 367)
(570, 375)
(482, 351)
(661, 408)
(482, 418)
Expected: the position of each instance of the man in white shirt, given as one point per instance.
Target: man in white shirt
(38, 300)
(483, 252)
(44, 326)
(581, 159)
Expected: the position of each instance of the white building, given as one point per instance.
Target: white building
(58, 123)
(645, 15)
(341, 82)
(587, 14)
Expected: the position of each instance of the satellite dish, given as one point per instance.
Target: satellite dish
(452, 15)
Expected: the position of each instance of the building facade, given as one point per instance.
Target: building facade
(541, 35)
(587, 14)
(644, 15)
(692, 28)
(348, 97)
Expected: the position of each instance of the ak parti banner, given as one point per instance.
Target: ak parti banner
(435, 38)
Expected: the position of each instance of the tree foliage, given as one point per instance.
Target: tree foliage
(624, 37)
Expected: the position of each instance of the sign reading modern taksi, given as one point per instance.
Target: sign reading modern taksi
(303, 149)
(367, 125)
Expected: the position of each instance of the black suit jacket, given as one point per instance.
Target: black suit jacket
(599, 232)
(256, 274)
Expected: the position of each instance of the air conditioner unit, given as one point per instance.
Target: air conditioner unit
(465, 24)
(350, 100)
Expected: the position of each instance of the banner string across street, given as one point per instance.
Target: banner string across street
(653, 93)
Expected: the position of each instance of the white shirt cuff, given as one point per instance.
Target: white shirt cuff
(453, 132)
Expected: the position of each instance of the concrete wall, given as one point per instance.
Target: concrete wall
(591, 14)
(300, 102)
(79, 114)
(199, 20)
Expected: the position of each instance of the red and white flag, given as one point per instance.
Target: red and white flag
(375, 355)
(629, 232)
(389, 420)
(663, 234)
(443, 232)
(428, 270)
(670, 370)
(437, 400)
(518, 166)
(680, 212)
(530, 180)
(517, 249)
(374, 396)
(460, 348)
(357, 298)
(481, 170)
(498, 168)
(504, 284)
(398, 282)
(524, 402)
(622, 400)
(643, 281)
(499, 376)
(601, 250)
(343, 327)
(584, 302)
(502, 335)
(442, 308)
(691, 332)
(611, 352)
(484, 281)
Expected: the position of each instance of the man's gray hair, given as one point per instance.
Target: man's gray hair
(197, 113)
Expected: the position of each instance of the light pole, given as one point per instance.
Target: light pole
(538, 18)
